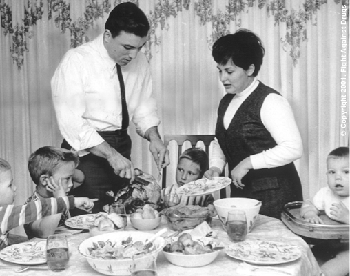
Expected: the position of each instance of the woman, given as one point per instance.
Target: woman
(256, 133)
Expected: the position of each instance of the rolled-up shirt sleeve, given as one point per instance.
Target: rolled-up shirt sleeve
(277, 116)
(69, 102)
(145, 114)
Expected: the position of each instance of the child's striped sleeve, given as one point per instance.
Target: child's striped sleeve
(12, 216)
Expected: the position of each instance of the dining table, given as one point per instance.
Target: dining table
(265, 228)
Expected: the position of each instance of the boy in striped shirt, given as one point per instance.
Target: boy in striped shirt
(52, 170)
(12, 216)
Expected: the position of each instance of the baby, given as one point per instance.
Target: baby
(50, 167)
(12, 216)
(334, 201)
(191, 166)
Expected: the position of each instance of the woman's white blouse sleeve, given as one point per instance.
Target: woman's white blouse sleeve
(277, 116)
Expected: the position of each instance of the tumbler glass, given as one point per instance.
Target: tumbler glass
(57, 253)
(119, 209)
(236, 225)
(144, 266)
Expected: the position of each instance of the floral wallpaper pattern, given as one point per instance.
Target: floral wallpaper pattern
(59, 11)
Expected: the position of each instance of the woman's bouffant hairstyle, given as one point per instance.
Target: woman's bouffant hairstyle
(129, 18)
(198, 156)
(244, 48)
(340, 152)
(45, 160)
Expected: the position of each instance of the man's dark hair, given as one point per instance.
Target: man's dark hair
(129, 18)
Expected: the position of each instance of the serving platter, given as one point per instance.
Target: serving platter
(27, 253)
(263, 252)
(203, 186)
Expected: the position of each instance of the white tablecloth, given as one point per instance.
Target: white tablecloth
(265, 228)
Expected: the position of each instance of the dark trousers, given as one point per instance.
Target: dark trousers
(99, 175)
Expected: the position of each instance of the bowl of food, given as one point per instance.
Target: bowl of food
(145, 218)
(187, 251)
(251, 207)
(105, 223)
(181, 218)
(111, 253)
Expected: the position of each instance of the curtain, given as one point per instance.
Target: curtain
(306, 44)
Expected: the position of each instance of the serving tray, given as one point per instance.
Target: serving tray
(329, 230)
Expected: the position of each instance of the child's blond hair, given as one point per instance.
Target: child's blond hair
(45, 160)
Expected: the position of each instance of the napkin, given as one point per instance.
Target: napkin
(251, 270)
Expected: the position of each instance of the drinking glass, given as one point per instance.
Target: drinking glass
(144, 265)
(57, 253)
(236, 225)
(119, 209)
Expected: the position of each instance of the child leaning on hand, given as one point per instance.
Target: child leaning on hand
(12, 216)
(334, 200)
(52, 170)
(191, 166)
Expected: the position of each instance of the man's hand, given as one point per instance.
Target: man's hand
(339, 212)
(212, 172)
(157, 148)
(121, 165)
(84, 203)
(240, 171)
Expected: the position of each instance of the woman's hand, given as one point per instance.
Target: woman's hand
(240, 171)
(212, 172)
(339, 212)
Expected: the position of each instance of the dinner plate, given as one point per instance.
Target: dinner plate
(81, 222)
(263, 252)
(27, 253)
(204, 186)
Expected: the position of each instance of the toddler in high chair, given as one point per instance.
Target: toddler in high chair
(12, 216)
(334, 201)
(191, 166)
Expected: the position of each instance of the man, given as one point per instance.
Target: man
(92, 111)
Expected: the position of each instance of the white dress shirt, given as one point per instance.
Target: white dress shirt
(86, 95)
(277, 116)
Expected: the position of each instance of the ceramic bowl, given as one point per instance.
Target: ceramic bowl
(181, 259)
(118, 266)
(182, 222)
(144, 224)
(251, 207)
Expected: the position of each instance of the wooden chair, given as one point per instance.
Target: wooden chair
(193, 139)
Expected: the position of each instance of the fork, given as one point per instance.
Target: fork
(25, 268)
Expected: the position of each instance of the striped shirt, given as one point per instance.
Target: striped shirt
(12, 216)
(37, 197)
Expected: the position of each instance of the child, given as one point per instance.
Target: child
(12, 216)
(191, 166)
(334, 200)
(50, 166)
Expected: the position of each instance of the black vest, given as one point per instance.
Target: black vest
(246, 134)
